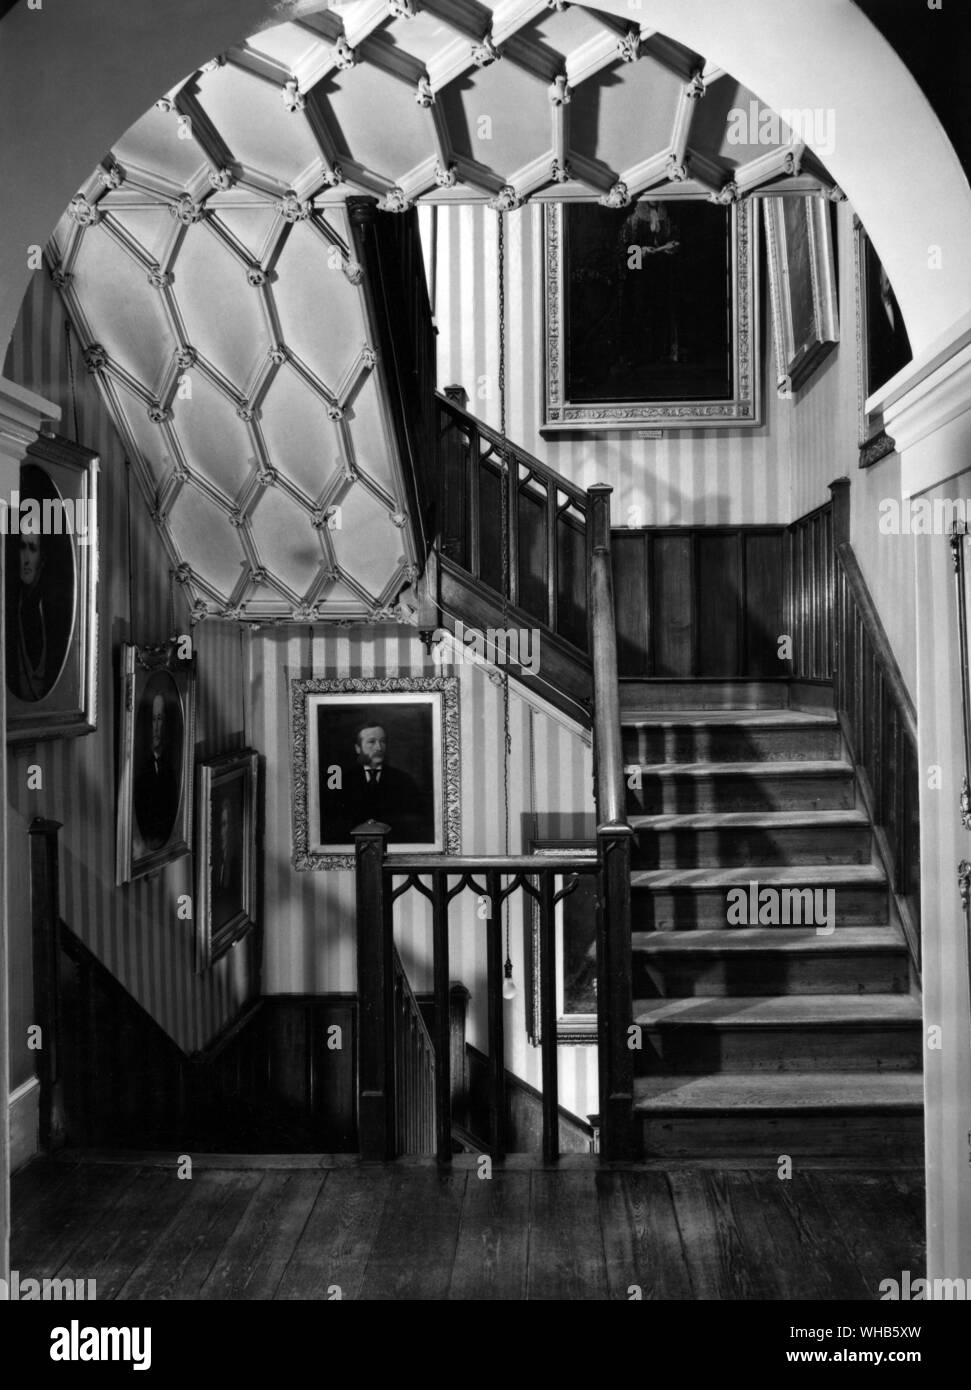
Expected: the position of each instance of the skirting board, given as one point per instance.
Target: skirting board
(23, 1111)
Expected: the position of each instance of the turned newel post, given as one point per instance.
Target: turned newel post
(45, 920)
(375, 1023)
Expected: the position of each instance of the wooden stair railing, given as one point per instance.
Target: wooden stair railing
(546, 582)
(414, 1061)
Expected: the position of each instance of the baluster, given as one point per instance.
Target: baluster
(443, 1041)
(497, 1047)
(552, 558)
(547, 969)
(511, 484)
(375, 984)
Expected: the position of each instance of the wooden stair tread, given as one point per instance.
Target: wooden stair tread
(727, 718)
(779, 1092)
(748, 820)
(767, 876)
(784, 940)
(756, 771)
(779, 1011)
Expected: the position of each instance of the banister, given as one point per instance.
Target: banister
(878, 638)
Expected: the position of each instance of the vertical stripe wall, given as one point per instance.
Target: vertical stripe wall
(310, 916)
(133, 929)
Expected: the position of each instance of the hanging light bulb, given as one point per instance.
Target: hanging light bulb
(508, 983)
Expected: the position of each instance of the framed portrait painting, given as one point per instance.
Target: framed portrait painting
(802, 286)
(882, 344)
(51, 593)
(651, 316)
(157, 747)
(374, 749)
(227, 826)
(575, 929)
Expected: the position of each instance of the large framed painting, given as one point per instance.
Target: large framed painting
(651, 316)
(51, 593)
(575, 929)
(157, 750)
(374, 749)
(227, 827)
(802, 286)
(882, 343)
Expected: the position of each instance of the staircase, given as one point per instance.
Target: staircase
(762, 1035)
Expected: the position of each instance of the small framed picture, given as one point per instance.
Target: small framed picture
(369, 749)
(157, 748)
(227, 826)
(802, 287)
(575, 928)
(51, 594)
(882, 344)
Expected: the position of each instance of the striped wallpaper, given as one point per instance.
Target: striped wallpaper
(132, 929)
(310, 938)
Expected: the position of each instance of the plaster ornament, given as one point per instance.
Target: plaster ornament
(399, 519)
(344, 55)
(618, 197)
(424, 96)
(245, 413)
(183, 573)
(256, 277)
(258, 576)
(629, 47)
(369, 358)
(560, 171)
(695, 88)
(558, 5)
(485, 52)
(181, 474)
(158, 414)
(186, 210)
(60, 278)
(318, 517)
(214, 64)
(305, 613)
(395, 201)
(186, 358)
(165, 104)
(836, 194)
(111, 175)
(221, 179)
(354, 271)
(159, 516)
(277, 355)
(200, 611)
(292, 97)
(792, 164)
(233, 611)
(402, 9)
(268, 477)
(330, 576)
(159, 278)
(335, 411)
(506, 200)
(727, 194)
(291, 209)
(445, 177)
(237, 518)
(82, 212)
(95, 357)
(675, 171)
(560, 94)
(331, 175)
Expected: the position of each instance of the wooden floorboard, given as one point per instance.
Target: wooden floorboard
(493, 1245)
(333, 1250)
(414, 1249)
(408, 1230)
(566, 1249)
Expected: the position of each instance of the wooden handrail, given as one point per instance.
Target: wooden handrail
(876, 633)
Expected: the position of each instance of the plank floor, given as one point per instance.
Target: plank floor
(266, 1229)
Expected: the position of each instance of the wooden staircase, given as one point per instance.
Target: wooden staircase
(762, 1038)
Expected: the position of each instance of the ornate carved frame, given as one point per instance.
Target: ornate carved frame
(446, 688)
(875, 443)
(744, 408)
(796, 361)
(73, 710)
(210, 776)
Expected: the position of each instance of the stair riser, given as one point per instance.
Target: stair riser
(760, 973)
(741, 745)
(729, 846)
(682, 795)
(682, 909)
(703, 694)
(894, 1137)
(698, 1051)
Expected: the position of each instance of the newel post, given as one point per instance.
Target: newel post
(375, 1024)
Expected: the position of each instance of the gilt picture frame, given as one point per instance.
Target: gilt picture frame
(694, 365)
(575, 935)
(343, 731)
(882, 344)
(227, 853)
(51, 593)
(803, 295)
(157, 749)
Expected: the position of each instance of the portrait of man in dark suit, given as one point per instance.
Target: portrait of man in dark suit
(158, 761)
(226, 859)
(40, 597)
(369, 785)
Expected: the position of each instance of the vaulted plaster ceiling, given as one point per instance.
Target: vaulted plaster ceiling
(208, 264)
